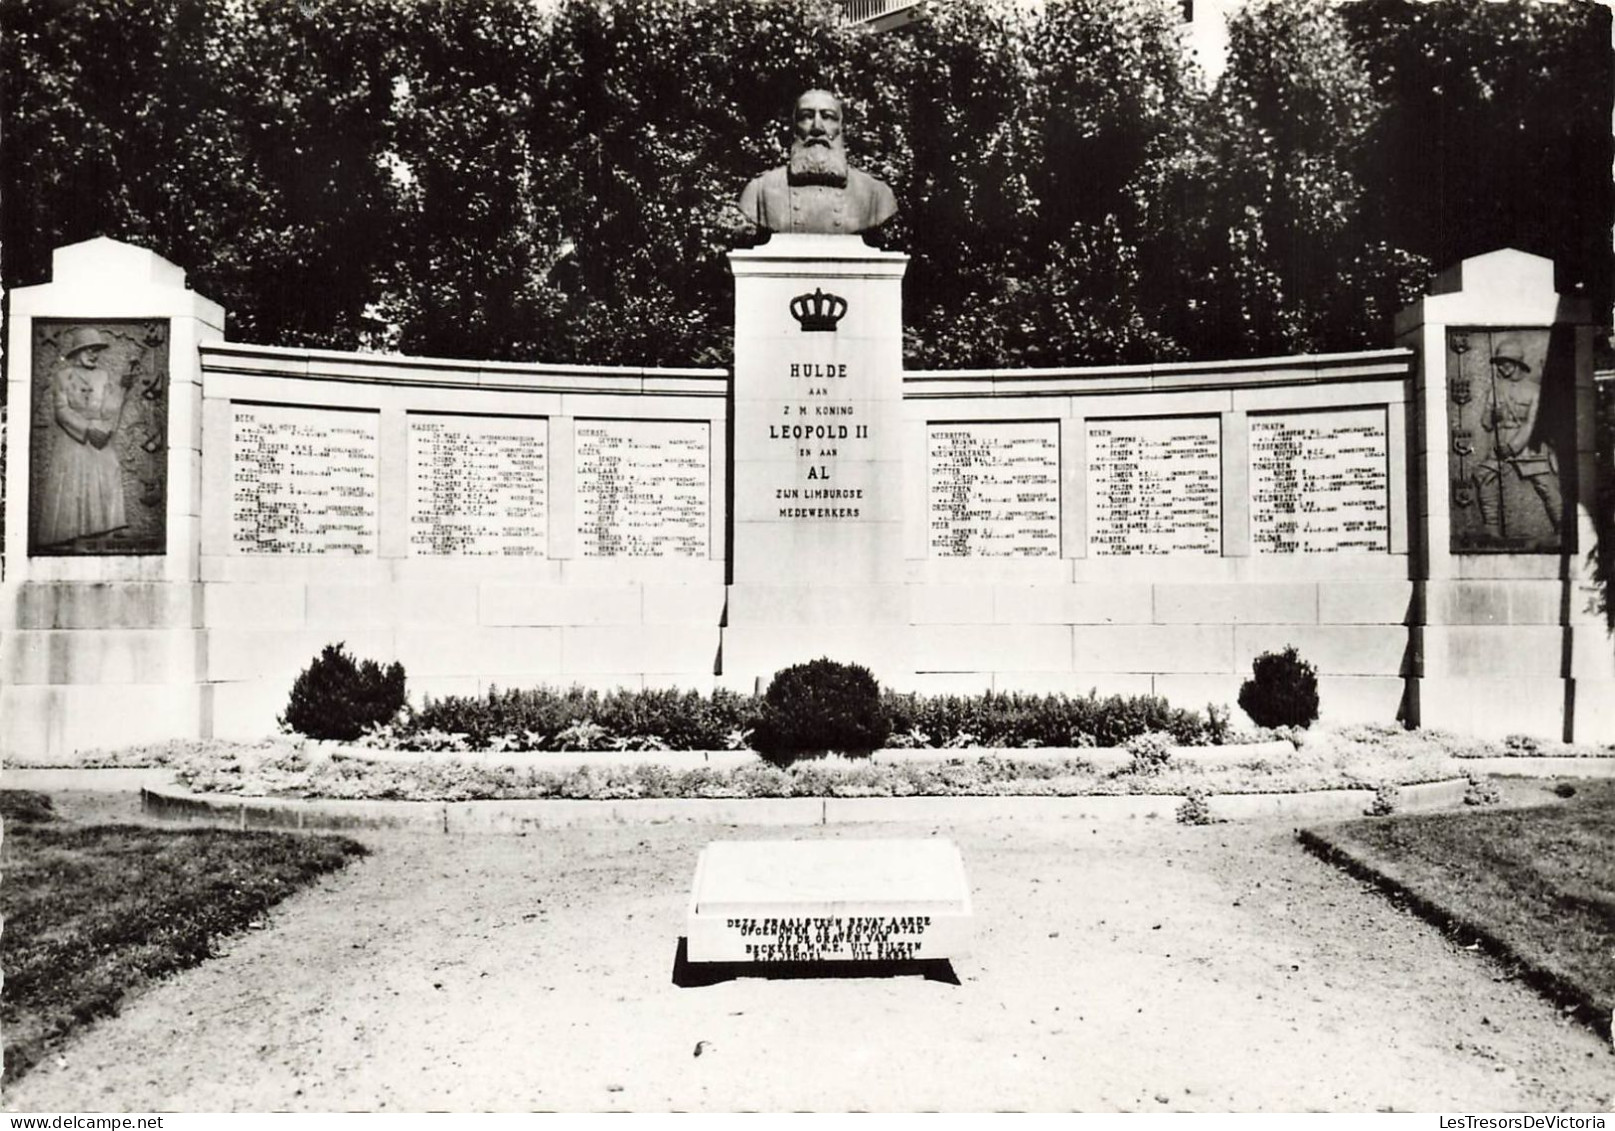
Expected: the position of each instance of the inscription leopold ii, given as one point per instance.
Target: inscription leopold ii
(820, 432)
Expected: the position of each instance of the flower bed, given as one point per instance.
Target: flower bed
(1354, 758)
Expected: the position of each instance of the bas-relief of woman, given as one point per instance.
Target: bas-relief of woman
(83, 486)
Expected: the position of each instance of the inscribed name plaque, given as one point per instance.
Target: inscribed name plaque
(1319, 482)
(1154, 486)
(478, 485)
(643, 488)
(829, 900)
(302, 480)
(995, 489)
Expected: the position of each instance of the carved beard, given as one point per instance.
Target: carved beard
(818, 164)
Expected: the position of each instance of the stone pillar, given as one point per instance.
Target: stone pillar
(100, 610)
(816, 557)
(1503, 495)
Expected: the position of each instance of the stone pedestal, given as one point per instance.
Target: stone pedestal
(101, 640)
(817, 550)
(1502, 506)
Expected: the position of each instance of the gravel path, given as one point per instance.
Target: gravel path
(1131, 965)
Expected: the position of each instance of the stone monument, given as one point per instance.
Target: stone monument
(1509, 640)
(800, 901)
(817, 567)
(101, 637)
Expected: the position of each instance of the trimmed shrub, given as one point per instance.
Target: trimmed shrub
(1196, 808)
(1387, 799)
(1481, 791)
(339, 699)
(818, 706)
(1282, 690)
(1149, 754)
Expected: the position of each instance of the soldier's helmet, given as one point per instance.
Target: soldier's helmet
(81, 338)
(1509, 347)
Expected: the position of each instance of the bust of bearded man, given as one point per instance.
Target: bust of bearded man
(817, 192)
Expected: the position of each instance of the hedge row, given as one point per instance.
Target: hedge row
(545, 719)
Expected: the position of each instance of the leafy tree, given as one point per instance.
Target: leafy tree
(555, 182)
(1286, 262)
(482, 226)
(656, 113)
(1494, 131)
(1036, 136)
(240, 142)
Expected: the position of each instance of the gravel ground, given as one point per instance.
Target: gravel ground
(1121, 965)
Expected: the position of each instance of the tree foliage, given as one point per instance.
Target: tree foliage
(555, 182)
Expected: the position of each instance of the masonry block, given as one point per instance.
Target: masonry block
(79, 656)
(101, 605)
(1193, 692)
(1593, 716)
(1345, 699)
(699, 605)
(1366, 602)
(753, 653)
(50, 724)
(1334, 649)
(952, 604)
(472, 651)
(1502, 602)
(992, 647)
(397, 605)
(1245, 602)
(827, 604)
(1485, 651)
(1494, 708)
(248, 710)
(637, 649)
(247, 605)
(235, 654)
(537, 605)
(1097, 603)
(1154, 648)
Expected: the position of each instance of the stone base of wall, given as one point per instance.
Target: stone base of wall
(86, 665)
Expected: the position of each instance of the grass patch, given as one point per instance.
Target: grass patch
(92, 912)
(1535, 886)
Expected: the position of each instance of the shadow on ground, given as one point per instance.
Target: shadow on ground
(687, 974)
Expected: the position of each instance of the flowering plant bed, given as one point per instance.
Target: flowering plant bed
(1352, 758)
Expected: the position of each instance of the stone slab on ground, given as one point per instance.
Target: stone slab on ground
(821, 900)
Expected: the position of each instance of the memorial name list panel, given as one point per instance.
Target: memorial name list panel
(478, 485)
(994, 489)
(1154, 486)
(1320, 482)
(303, 480)
(643, 488)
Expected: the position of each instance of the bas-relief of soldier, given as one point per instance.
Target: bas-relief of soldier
(817, 192)
(98, 445)
(1508, 421)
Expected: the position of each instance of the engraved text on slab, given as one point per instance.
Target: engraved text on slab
(1319, 482)
(1154, 486)
(302, 480)
(995, 489)
(477, 485)
(643, 488)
